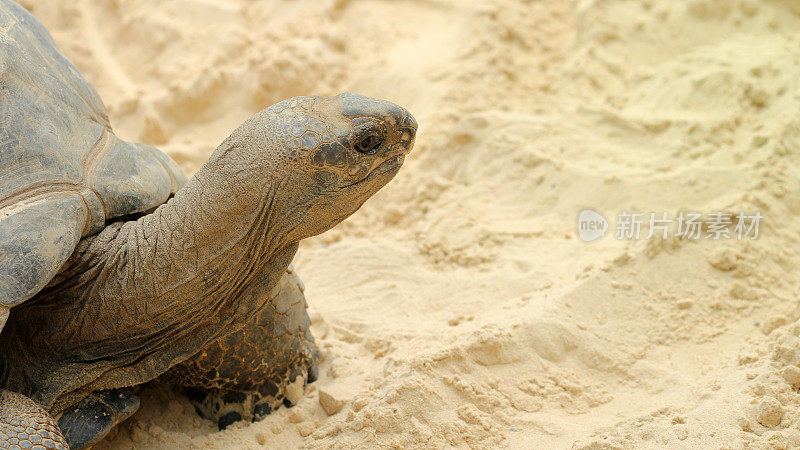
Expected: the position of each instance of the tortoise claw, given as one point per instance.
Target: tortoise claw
(313, 373)
(228, 419)
(90, 420)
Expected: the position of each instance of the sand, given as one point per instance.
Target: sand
(459, 307)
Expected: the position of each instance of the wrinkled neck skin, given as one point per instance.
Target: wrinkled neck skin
(143, 295)
(227, 212)
(223, 225)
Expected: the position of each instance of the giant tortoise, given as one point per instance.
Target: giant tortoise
(115, 270)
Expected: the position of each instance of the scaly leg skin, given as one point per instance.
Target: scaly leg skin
(87, 422)
(250, 373)
(24, 424)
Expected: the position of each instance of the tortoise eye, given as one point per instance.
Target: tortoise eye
(369, 144)
(368, 139)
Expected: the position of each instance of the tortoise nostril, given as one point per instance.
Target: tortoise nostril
(409, 122)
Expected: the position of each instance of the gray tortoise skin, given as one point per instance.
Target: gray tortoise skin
(116, 270)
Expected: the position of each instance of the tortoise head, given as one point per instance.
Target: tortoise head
(325, 156)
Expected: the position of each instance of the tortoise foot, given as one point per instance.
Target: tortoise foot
(227, 407)
(90, 420)
(249, 373)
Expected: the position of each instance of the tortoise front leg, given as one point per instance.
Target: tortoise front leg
(247, 374)
(24, 424)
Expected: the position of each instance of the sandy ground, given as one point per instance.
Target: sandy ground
(459, 307)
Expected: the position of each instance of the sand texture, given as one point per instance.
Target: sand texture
(458, 307)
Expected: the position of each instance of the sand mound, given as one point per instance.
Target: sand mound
(459, 307)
